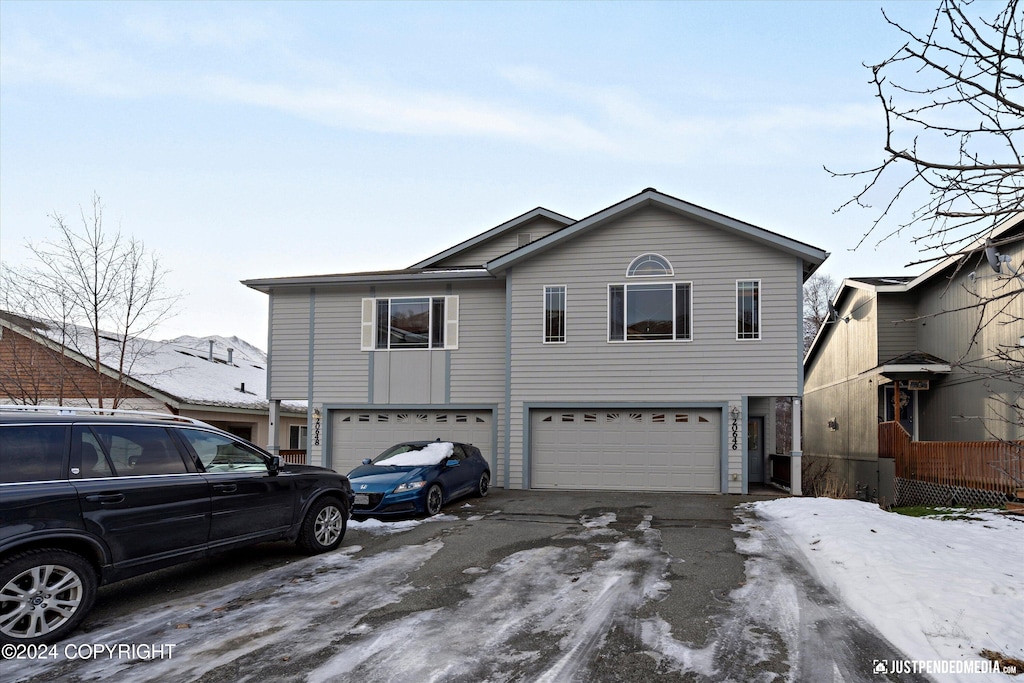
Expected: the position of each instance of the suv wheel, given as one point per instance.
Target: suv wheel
(44, 594)
(484, 485)
(324, 526)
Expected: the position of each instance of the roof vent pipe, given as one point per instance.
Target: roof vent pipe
(231, 353)
(242, 388)
(211, 351)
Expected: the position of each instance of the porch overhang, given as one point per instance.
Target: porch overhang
(916, 365)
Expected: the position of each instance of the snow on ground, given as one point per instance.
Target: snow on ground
(546, 609)
(376, 527)
(938, 589)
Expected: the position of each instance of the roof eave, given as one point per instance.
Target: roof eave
(267, 284)
(911, 368)
(104, 369)
(807, 253)
(539, 212)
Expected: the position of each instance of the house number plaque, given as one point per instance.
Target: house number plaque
(735, 434)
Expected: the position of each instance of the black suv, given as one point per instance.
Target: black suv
(88, 499)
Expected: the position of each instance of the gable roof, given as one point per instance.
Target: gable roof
(1010, 230)
(812, 256)
(180, 372)
(494, 233)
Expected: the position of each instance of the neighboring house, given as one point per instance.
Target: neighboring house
(217, 380)
(640, 348)
(917, 342)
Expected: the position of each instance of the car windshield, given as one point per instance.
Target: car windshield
(415, 455)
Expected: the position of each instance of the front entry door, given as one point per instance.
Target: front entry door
(755, 450)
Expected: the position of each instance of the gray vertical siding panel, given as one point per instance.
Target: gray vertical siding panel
(834, 387)
(472, 374)
(948, 323)
(897, 330)
(289, 345)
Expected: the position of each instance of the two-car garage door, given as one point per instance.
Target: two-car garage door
(358, 434)
(628, 450)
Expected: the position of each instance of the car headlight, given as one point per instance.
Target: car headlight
(410, 486)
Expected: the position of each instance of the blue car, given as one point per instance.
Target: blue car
(418, 477)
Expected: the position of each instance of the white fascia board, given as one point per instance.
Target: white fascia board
(930, 368)
(539, 212)
(871, 287)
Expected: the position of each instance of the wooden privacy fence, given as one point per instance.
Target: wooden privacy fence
(293, 456)
(986, 465)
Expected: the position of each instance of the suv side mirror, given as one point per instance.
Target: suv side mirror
(275, 464)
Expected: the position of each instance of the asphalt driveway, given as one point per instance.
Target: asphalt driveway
(519, 586)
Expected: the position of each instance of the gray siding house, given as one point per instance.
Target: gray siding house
(640, 348)
(923, 334)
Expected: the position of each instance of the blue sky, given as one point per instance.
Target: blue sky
(244, 140)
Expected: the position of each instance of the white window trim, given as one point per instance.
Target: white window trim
(544, 315)
(671, 270)
(368, 339)
(652, 341)
(736, 302)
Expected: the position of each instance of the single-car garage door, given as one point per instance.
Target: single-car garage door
(627, 450)
(358, 434)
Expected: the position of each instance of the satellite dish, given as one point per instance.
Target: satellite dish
(833, 314)
(993, 256)
(995, 259)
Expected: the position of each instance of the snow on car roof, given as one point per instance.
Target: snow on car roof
(431, 454)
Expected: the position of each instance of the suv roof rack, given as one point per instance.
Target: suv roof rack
(88, 410)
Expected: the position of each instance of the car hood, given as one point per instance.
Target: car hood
(377, 478)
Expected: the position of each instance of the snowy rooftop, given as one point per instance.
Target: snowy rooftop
(182, 368)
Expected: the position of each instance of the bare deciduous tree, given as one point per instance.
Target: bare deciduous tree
(951, 99)
(96, 289)
(818, 292)
(952, 171)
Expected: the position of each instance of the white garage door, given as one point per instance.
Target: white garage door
(626, 450)
(358, 434)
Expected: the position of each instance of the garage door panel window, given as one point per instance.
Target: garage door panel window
(650, 312)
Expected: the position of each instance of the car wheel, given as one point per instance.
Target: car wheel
(44, 595)
(324, 526)
(484, 485)
(434, 499)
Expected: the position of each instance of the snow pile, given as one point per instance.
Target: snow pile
(376, 527)
(431, 454)
(938, 589)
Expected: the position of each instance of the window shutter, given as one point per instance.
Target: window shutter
(451, 322)
(366, 340)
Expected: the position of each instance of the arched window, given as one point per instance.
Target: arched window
(649, 265)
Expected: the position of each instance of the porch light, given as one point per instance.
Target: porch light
(734, 413)
(316, 414)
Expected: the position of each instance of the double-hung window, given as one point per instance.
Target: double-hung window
(554, 314)
(411, 323)
(650, 312)
(748, 309)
